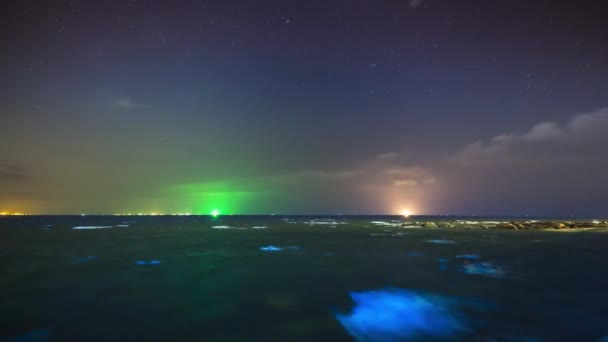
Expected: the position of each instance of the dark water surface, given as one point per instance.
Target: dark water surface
(179, 279)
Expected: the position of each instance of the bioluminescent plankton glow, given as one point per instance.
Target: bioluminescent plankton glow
(395, 315)
(442, 242)
(469, 256)
(271, 248)
(487, 269)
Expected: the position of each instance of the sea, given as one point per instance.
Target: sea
(295, 278)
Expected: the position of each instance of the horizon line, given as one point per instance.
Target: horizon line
(20, 214)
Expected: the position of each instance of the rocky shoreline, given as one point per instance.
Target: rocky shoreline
(510, 225)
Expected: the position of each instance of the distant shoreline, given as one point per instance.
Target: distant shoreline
(560, 226)
(392, 221)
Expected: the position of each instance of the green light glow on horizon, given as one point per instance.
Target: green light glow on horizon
(221, 198)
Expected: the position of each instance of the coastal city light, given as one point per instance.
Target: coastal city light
(8, 213)
(406, 213)
(154, 214)
(215, 213)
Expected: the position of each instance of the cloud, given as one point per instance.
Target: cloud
(551, 168)
(384, 170)
(388, 155)
(405, 182)
(315, 175)
(127, 103)
(12, 171)
(540, 141)
(386, 183)
(416, 3)
(380, 184)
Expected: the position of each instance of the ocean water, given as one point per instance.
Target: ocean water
(295, 279)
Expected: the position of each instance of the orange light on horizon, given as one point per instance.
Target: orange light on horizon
(6, 213)
(406, 213)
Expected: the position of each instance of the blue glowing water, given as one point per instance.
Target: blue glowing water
(271, 248)
(146, 262)
(392, 315)
(443, 264)
(484, 268)
(469, 256)
(177, 278)
(442, 242)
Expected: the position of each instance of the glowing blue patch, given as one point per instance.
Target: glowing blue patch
(271, 248)
(395, 315)
(91, 227)
(469, 256)
(484, 268)
(442, 242)
(443, 264)
(144, 262)
(85, 259)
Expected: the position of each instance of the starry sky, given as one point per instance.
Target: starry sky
(304, 107)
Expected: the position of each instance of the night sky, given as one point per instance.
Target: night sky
(299, 107)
